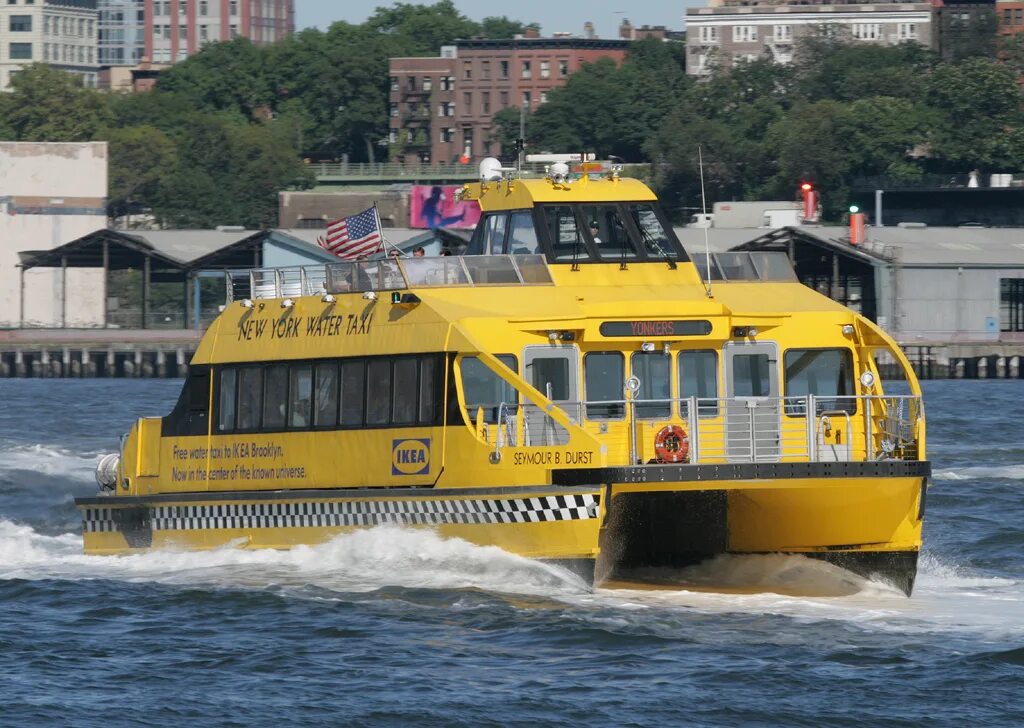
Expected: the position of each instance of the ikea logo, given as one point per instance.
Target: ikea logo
(410, 457)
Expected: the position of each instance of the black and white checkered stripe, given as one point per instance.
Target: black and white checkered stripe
(98, 520)
(320, 514)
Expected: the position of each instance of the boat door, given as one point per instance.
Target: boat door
(554, 372)
(753, 416)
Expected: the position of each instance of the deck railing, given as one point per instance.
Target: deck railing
(389, 274)
(719, 430)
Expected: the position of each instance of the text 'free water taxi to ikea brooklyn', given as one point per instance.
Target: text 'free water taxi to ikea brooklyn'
(571, 389)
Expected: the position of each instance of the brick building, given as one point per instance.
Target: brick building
(442, 108)
(731, 30)
(175, 29)
(1011, 16)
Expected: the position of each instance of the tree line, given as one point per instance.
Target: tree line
(228, 128)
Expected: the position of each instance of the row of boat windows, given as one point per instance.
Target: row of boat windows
(821, 372)
(406, 391)
(608, 232)
(346, 393)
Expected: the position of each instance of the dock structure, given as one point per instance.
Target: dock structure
(50, 353)
(153, 353)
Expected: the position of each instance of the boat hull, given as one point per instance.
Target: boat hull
(635, 525)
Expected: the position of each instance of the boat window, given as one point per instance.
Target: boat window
(698, 377)
(653, 369)
(736, 266)
(608, 232)
(300, 395)
(250, 397)
(494, 234)
(378, 391)
(403, 409)
(275, 396)
(750, 377)
(428, 376)
(482, 388)
(551, 377)
(566, 238)
(226, 420)
(825, 373)
(603, 375)
(522, 237)
(656, 240)
(325, 414)
(353, 381)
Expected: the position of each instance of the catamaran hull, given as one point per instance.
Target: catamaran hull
(649, 532)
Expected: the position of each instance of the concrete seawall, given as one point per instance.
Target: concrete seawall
(166, 353)
(45, 353)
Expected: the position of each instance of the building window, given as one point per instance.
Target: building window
(783, 33)
(467, 138)
(867, 31)
(485, 70)
(503, 96)
(526, 72)
(906, 31)
(428, 83)
(485, 103)
(447, 135)
(233, 31)
(1007, 17)
(543, 97)
(394, 83)
(20, 24)
(503, 69)
(708, 34)
(1018, 16)
(744, 33)
(467, 70)
(563, 69)
(232, 7)
(526, 99)
(447, 83)
(20, 51)
(204, 33)
(204, 7)
(1011, 304)
(467, 102)
(394, 109)
(410, 83)
(545, 69)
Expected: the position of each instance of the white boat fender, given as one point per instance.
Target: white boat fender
(106, 471)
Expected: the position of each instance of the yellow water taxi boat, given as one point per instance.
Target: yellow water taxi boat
(574, 388)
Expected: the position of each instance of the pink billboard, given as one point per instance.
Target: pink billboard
(434, 206)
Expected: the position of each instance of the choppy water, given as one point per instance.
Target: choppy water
(400, 627)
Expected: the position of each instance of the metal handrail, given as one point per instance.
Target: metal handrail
(721, 429)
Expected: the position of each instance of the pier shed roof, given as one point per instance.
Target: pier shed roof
(181, 251)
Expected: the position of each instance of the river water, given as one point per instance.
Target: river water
(394, 627)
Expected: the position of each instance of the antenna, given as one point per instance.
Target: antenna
(704, 210)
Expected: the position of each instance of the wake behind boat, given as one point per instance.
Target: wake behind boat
(569, 390)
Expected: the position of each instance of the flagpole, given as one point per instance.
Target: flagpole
(380, 226)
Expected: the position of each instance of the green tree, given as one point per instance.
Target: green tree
(47, 105)
(227, 76)
(978, 103)
(141, 157)
(501, 27)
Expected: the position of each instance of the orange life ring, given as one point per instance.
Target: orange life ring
(671, 444)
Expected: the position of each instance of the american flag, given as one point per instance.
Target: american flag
(353, 236)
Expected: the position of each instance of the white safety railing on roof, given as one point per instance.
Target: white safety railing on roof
(389, 274)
